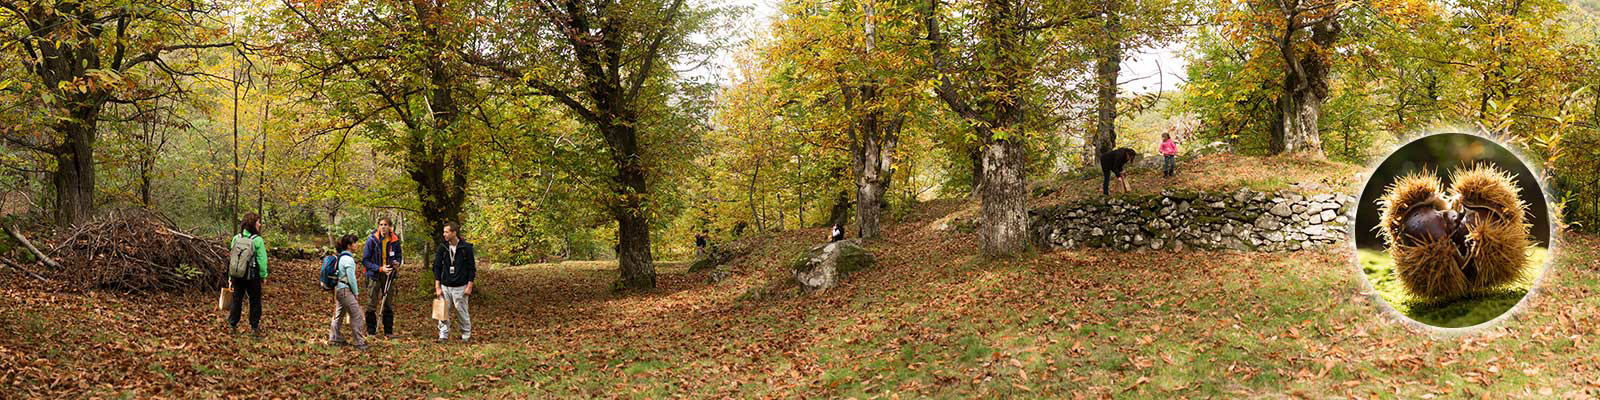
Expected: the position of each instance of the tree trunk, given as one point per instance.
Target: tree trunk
(839, 214)
(438, 165)
(1005, 200)
(1005, 186)
(872, 160)
(1305, 87)
(1108, 64)
(233, 205)
(75, 176)
(998, 120)
(261, 177)
(975, 159)
(750, 197)
(633, 218)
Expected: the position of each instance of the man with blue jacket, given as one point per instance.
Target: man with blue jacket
(381, 257)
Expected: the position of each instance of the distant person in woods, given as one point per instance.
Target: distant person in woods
(250, 283)
(1169, 155)
(701, 240)
(1112, 163)
(836, 234)
(381, 258)
(454, 268)
(345, 295)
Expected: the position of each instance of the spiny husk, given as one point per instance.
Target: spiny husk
(1484, 185)
(1431, 269)
(1399, 197)
(1499, 252)
(1499, 243)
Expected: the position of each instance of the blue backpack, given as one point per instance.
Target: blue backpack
(329, 277)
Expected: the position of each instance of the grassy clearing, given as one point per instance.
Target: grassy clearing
(932, 320)
(1466, 311)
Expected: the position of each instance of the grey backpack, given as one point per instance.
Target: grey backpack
(240, 255)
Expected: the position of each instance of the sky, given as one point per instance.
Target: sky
(1145, 70)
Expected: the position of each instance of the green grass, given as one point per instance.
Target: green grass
(1469, 310)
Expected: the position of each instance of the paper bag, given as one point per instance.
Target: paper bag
(440, 312)
(225, 299)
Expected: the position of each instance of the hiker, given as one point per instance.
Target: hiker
(344, 298)
(701, 240)
(1113, 162)
(255, 272)
(381, 257)
(1169, 155)
(454, 267)
(836, 234)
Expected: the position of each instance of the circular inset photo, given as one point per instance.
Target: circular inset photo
(1452, 230)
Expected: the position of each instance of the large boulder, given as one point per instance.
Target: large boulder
(824, 265)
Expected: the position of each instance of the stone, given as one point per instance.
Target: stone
(824, 266)
(1298, 208)
(1274, 236)
(718, 275)
(1217, 204)
(1266, 223)
(1329, 215)
(1280, 209)
(1342, 220)
(1096, 231)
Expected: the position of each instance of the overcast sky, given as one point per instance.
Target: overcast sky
(1145, 71)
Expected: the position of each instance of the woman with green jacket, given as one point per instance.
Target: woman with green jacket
(250, 284)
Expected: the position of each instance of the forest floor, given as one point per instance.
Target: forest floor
(932, 319)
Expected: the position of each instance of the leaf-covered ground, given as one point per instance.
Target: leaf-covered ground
(1212, 172)
(931, 320)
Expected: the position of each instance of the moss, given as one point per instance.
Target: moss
(853, 258)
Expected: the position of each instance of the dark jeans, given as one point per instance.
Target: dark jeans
(1169, 166)
(242, 287)
(377, 296)
(1105, 183)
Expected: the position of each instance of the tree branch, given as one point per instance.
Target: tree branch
(155, 55)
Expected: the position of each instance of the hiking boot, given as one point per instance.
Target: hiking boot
(339, 343)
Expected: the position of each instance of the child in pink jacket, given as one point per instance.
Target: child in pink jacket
(1169, 153)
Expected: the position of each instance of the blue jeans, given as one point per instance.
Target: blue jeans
(1169, 165)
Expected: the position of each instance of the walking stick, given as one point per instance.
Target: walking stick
(383, 300)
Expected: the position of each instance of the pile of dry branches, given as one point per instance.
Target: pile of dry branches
(139, 250)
